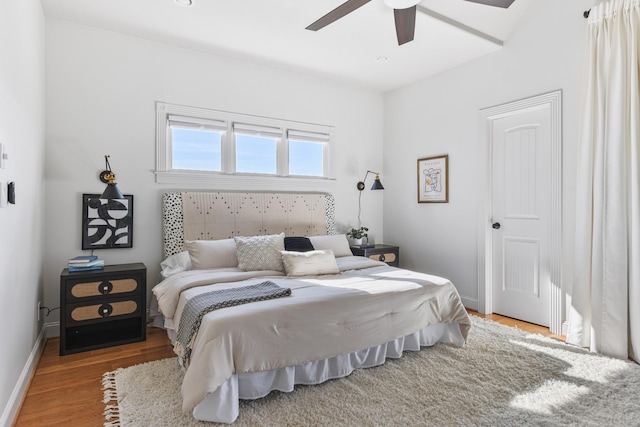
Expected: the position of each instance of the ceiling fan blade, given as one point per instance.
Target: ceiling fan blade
(497, 3)
(337, 13)
(405, 24)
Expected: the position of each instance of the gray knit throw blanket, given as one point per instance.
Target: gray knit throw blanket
(200, 305)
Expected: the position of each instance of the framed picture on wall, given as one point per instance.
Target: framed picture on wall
(433, 179)
(107, 223)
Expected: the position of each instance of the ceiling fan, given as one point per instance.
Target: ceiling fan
(404, 13)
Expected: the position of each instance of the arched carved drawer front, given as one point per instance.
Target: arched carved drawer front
(105, 310)
(388, 257)
(104, 287)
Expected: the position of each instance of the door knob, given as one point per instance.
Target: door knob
(496, 225)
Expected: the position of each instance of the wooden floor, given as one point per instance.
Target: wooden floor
(66, 390)
(528, 327)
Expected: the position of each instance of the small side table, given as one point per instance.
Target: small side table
(102, 308)
(385, 253)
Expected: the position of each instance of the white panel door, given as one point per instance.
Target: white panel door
(521, 211)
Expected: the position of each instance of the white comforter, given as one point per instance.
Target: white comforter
(368, 304)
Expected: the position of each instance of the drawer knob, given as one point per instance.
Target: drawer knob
(106, 287)
(382, 257)
(105, 310)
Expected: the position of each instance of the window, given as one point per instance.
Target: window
(256, 148)
(307, 153)
(196, 144)
(256, 154)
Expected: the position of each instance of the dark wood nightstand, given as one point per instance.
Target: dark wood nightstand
(102, 308)
(385, 253)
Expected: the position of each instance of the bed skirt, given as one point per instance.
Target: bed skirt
(223, 404)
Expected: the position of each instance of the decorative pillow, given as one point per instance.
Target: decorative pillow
(208, 254)
(260, 252)
(175, 264)
(298, 244)
(311, 263)
(338, 243)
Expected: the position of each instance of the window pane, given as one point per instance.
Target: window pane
(306, 158)
(196, 149)
(255, 154)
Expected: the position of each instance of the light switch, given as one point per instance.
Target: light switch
(11, 193)
(2, 156)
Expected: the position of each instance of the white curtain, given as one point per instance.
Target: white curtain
(605, 306)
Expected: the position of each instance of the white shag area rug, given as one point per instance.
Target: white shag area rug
(503, 377)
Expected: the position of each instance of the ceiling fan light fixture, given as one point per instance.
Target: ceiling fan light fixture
(185, 3)
(401, 4)
(404, 15)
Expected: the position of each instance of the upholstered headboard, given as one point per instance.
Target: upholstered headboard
(220, 215)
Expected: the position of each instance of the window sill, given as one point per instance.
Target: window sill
(246, 181)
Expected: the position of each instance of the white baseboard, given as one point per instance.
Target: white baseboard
(15, 400)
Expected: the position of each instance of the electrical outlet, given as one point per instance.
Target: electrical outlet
(38, 314)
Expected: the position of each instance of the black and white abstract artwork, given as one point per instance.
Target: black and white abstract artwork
(107, 223)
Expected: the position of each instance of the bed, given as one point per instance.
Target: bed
(326, 314)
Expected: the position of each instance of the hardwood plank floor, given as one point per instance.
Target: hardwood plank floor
(66, 390)
(528, 327)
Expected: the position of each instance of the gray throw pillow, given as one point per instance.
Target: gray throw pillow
(260, 252)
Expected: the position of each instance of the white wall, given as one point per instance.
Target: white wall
(101, 90)
(21, 225)
(439, 115)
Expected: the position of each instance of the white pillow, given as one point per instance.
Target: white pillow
(260, 252)
(311, 263)
(175, 264)
(338, 243)
(208, 254)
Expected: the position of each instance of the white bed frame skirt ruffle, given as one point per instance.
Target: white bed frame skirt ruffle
(223, 404)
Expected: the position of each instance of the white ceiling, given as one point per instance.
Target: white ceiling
(273, 33)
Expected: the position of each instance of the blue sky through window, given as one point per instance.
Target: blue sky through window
(196, 149)
(200, 150)
(255, 154)
(305, 158)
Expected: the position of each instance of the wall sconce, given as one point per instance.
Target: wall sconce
(377, 185)
(108, 177)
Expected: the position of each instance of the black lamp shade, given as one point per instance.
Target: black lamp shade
(377, 185)
(112, 192)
